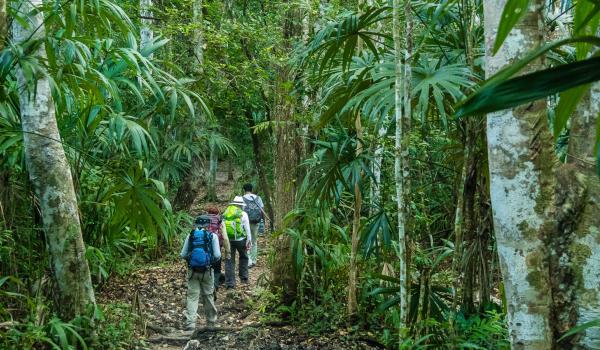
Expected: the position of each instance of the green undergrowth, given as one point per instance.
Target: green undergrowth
(327, 317)
(28, 322)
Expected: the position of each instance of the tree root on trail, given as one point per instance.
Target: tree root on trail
(167, 336)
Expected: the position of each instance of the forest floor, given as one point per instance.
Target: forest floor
(157, 293)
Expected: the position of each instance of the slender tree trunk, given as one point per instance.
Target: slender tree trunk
(230, 166)
(197, 37)
(4, 175)
(458, 226)
(467, 231)
(352, 306)
(406, 126)
(398, 162)
(146, 33)
(521, 164)
(375, 190)
(211, 184)
(50, 175)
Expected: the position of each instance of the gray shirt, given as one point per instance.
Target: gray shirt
(216, 251)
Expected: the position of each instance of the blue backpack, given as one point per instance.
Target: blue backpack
(201, 250)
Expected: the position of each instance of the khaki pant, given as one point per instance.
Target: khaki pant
(200, 285)
(253, 256)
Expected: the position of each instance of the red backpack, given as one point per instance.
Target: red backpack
(214, 226)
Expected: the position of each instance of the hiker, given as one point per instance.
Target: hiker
(255, 210)
(200, 250)
(215, 227)
(237, 227)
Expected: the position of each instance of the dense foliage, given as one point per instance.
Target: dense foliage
(226, 82)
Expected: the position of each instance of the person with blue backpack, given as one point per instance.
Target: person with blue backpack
(200, 250)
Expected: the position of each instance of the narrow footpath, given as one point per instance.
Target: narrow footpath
(157, 294)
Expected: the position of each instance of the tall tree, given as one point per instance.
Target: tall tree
(286, 158)
(521, 162)
(49, 170)
(398, 166)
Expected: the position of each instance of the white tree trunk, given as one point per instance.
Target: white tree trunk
(375, 193)
(585, 247)
(377, 165)
(398, 162)
(146, 33)
(51, 178)
(518, 164)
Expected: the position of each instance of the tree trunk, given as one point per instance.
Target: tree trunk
(188, 190)
(211, 184)
(3, 24)
(398, 162)
(230, 170)
(375, 190)
(352, 306)
(197, 36)
(584, 247)
(376, 199)
(146, 33)
(521, 163)
(51, 178)
(287, 151)
(405, 148)
(286, 163)
(4, 175)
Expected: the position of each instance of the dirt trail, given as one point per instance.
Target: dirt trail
(158, 294)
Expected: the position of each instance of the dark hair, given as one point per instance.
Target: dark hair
(248, 188)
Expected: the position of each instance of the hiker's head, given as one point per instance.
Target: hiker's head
(248, 188)
(213, 210)
(202, 221)
(239, 201)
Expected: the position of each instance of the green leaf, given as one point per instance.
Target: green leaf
(497, 93)
(566, 106)
(513, 11)
(580, 328)
(585, 22)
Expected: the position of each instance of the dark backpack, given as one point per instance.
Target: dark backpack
(214, 226)
(253, 210)
(201, 250)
